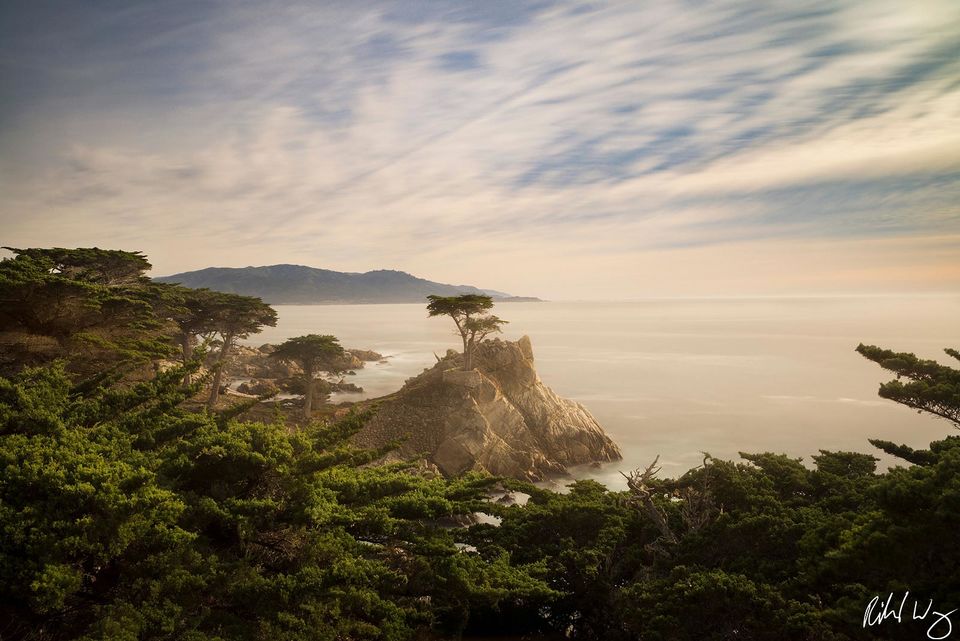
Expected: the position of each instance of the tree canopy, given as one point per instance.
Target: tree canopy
(92, 307)
(314, 353)
(469, 314)
(930, 387)
(125, 516)
(93, 265)
(233, 317)
(96, 309)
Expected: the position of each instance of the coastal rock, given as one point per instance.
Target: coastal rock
(348, 362)
(255, 362)
(250, 362)
(257, 387)
(343, 386)
(322, 388)
(498, 417)
(366, 354)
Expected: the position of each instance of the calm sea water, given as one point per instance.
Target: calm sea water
(681, 377)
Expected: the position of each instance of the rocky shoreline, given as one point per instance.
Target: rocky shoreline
(261, 375)
(498, 417)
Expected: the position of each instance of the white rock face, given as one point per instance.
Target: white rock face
(498, 417)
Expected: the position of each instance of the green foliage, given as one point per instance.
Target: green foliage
(122, 516)
(480, 327)
(700, 604)
(314, 353)
(766, 549)
(468, 312)
(907, 538)
(193, 312)
(458, 307)
(232, 317)
(92, 307)
(930, 387)
(90, 265)
(580, 539)
(95, 309)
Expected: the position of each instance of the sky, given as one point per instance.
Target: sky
(568, 150)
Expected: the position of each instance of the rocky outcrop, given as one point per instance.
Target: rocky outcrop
(253, 362)
(257, 387)
(268, 375)
(366, 355)
(498, 417)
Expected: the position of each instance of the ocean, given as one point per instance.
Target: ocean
(677, 378)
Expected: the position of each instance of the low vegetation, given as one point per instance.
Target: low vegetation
(125, 516)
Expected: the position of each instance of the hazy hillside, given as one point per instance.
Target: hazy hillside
(307, 285)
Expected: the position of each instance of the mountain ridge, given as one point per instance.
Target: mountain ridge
(300, 284)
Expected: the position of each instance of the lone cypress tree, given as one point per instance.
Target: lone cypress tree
(468, 312)
(315, 353)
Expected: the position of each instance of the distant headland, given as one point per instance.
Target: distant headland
(301, 285)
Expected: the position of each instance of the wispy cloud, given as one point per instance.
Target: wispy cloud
(593, 141)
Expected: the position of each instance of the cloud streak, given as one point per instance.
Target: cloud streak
(449, 140)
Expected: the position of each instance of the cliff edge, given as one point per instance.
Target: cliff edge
(498, 417)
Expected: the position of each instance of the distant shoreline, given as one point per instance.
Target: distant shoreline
(302, 285)
(514, 299)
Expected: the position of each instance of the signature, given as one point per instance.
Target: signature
(879, 610)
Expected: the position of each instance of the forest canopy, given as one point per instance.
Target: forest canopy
(128, 513)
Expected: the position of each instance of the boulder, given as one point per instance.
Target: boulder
(343, 386)
(257, 387)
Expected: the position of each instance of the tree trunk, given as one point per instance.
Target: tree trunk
(218, 374)
(215, 390)
(463, 337)
(186, 347)
(467, 366)
(308, 398)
